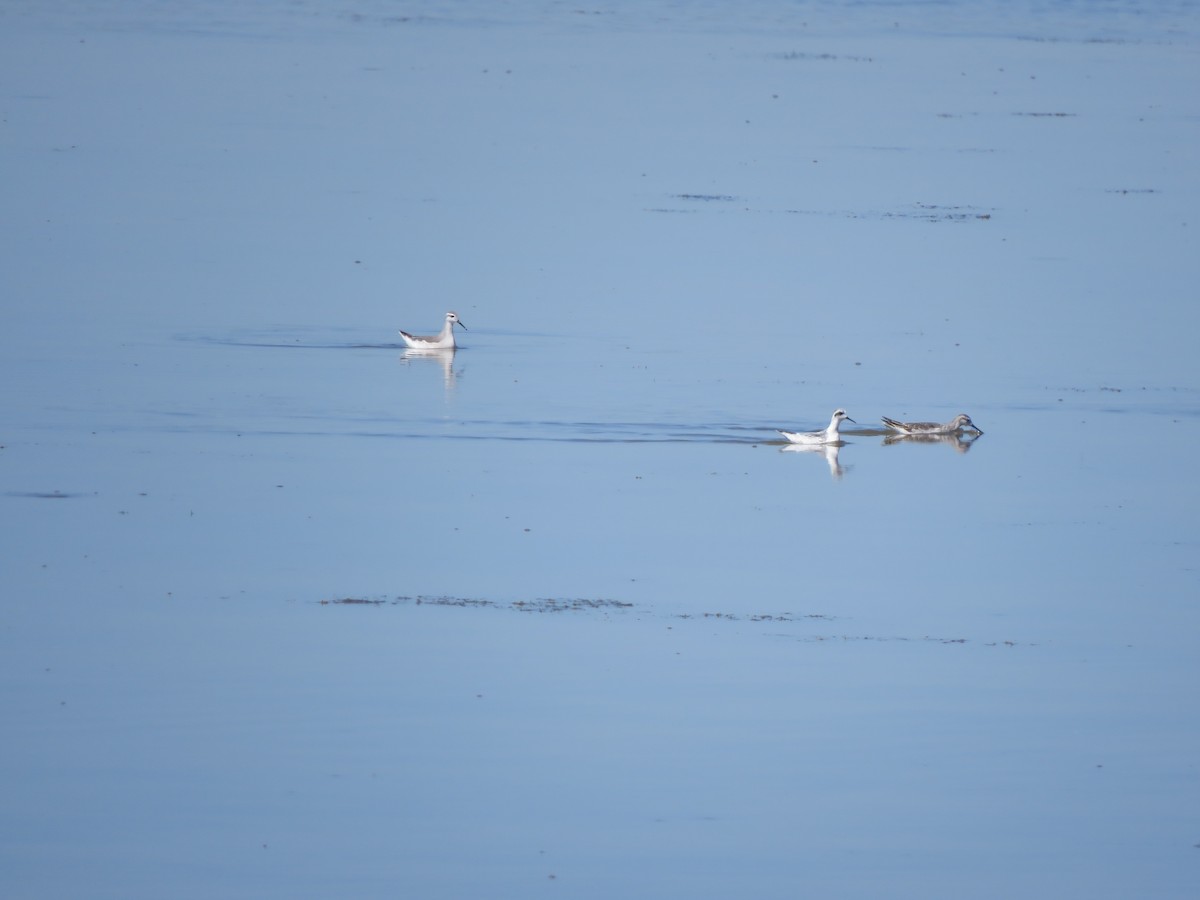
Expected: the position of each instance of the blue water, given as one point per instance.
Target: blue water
(289, 612)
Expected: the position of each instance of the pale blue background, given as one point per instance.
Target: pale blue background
(671, 229)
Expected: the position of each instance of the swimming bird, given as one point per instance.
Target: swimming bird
(955, 425)
(443, 340)
(827, 435)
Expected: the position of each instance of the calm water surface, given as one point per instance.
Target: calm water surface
(288, 611)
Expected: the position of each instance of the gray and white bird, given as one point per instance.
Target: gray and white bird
(955, 425)
(827, 435)
(443, 340)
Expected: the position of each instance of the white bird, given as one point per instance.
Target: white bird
(443, 340)
(955, 425)
(827, 435)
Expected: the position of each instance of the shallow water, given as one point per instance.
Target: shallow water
(290, 611)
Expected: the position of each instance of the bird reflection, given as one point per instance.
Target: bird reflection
(829, 451)
(958, 441)
(445, 357)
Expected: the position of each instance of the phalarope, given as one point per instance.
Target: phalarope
(443, 340)
(827, 435)
(955, 425)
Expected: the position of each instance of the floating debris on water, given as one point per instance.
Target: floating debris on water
(541, 604)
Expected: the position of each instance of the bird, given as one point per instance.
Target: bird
(827, 435)
(443, 340)
(955, 425)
